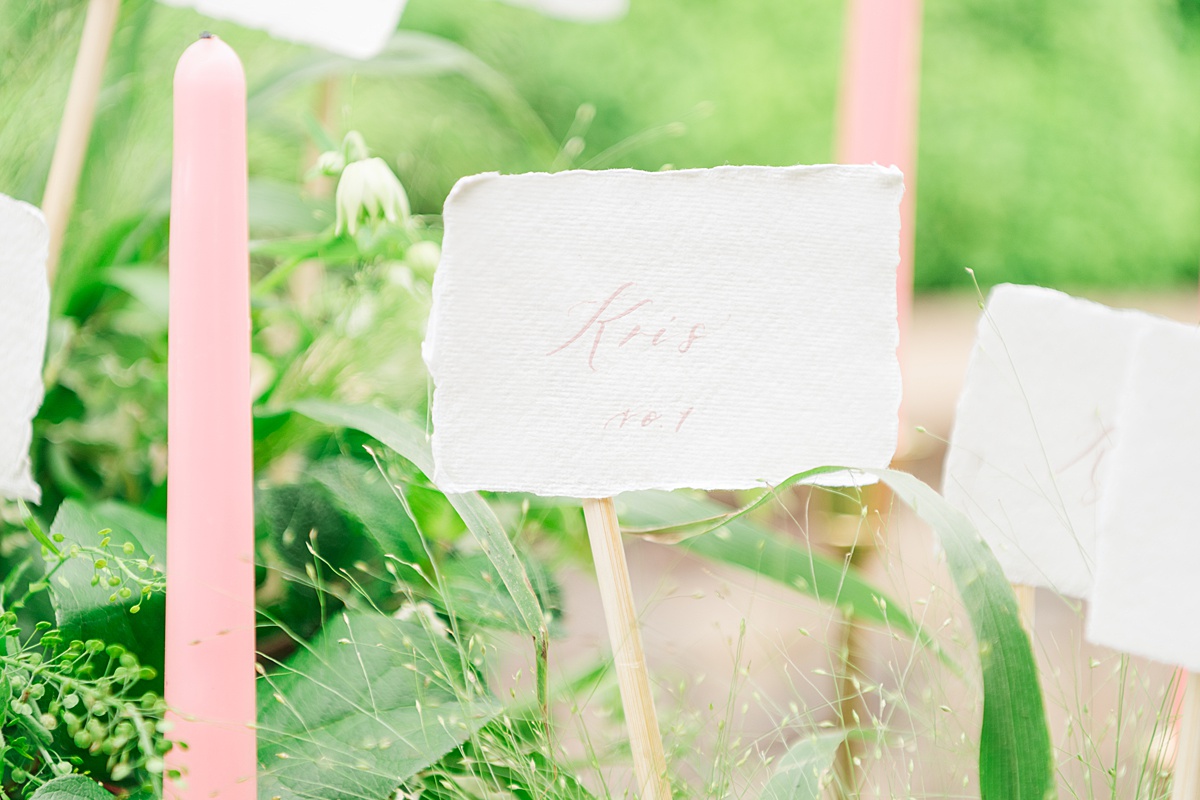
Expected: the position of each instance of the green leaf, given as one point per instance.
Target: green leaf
(1015, 759)
(736, 539)
(798, 774)
(84, 611)
(71, 787)
(412, 53)
(361, 491)
(410, 442)
(371, 702)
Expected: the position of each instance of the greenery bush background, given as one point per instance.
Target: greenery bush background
(1059, 142)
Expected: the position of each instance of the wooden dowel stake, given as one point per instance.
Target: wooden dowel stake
(76, 129)
(616, 594)
(1026, 606)
(1186, 783)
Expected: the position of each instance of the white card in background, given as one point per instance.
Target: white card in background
(597, 332)
(1145, 599)
(354, 28)
(577, 10)
(24, 316)
(1034, 428)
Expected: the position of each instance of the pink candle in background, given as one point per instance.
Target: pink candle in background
(210, 513)
(878, 110)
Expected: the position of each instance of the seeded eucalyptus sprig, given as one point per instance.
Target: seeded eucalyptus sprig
(66, 706)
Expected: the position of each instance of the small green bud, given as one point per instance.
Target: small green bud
(128, 548)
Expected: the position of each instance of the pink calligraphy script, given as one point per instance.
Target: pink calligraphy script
(626, 321)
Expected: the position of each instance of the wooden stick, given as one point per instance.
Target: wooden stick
(616, 594)
(76, 128)
(1186, 783)
(1026, 606)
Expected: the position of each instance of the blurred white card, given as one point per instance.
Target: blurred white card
(1144, 600)
(24, 316)
(1035, 427)
(354, 28)
(577, 10)
(597, 332)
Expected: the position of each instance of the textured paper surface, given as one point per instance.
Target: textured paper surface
(1035, 427)
(597, 332)
(577, 10)
(24, 315)
(354, 28)
(1145, 600)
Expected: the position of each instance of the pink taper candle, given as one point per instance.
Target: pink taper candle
(210, 509)
(878, 110)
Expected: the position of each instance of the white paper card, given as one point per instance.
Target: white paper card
(1034, 428)
(24, 316)
(577, 10)
(597, 332)
(1144, 600)
(354, 28)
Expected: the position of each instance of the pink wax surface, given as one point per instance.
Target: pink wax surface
(878, 110)
(210, 514)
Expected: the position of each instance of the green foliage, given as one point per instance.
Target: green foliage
(799, 774)
(1015, 759)
(410, 442)
(71, 787)
(66, 705)
(739, 541)
(110, 585)
(365, 706)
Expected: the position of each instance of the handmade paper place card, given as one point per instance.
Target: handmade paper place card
(1035, 427)
(24, 315)
(1144, 599)
(598, 332)
(354, 28)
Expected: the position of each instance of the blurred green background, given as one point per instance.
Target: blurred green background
(1059, 142)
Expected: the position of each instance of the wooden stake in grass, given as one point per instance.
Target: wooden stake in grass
(1186, 783)
(1026, 606)
(76, 128)
(616, 595)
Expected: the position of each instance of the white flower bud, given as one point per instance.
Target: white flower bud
(369, 188)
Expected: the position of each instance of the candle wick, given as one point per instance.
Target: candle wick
(207, 35)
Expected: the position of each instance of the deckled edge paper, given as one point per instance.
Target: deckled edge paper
(788, 273)
(577, 10)
(354, 28)
(24, 316)
(1027, 456)
(1145, 599)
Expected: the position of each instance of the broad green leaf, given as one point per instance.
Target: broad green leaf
(361, 491)
(85, 611)
(412, 53)
(473, 592)
(799, 774)
(410, 442)
(371, 702)
(1015, 759)
(736, 539)
(71, 787)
